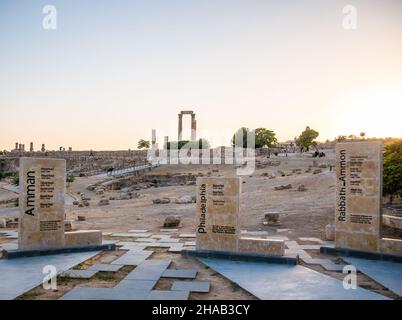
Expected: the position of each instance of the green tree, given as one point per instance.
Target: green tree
(307, 137)
(70, 179)
(143, 144)
(362, 135)
(239, 139)
(392, 170)
(198, 144)
(341, 138)
(15, 179)
(264, 138)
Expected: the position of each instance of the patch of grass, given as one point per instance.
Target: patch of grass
(63, 281)
(105, 276)
(79, 266)
(30, 295)
(127, 269)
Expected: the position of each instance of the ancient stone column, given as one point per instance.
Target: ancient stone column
(43, 147)
(193, 128)
(31, 148)
(16, 146)
(166, 142)
(153, 138)
(180, 127)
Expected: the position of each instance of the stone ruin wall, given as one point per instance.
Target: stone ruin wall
(80, 162)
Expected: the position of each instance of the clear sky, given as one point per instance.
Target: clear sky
(113, 70)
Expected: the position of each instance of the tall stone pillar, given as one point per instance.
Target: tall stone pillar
(166, 142)
(153, 138)
(16, 146)
(180, 127)
(193, 128)
(31, 148)
(43, 148)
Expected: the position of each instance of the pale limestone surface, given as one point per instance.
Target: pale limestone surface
(262, 246)
(358, 195)
(358, 206)
(42, 198)
(83, 237)
(217, 214)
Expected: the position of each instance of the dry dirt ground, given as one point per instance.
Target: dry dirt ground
(303, 214)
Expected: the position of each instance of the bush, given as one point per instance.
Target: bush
(392, 170)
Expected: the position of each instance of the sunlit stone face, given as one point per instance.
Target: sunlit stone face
(217, 217)
(42, 197)
(358, 195)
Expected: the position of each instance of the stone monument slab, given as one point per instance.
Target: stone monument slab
(217, 217)
(358, 195)
(42, 198)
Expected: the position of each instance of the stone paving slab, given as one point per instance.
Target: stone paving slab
(9, 234)
(171, 240)
(286, 282)
(78, 274)
(168, 230)
(9, 246)
(180, 273)
(310, 247)
(137, 285)
(149, 270)
(145, 240)
(190, 243)
(131, 235)
(191, 286)
(88, 293)
(187, 235)
(254, 233)
(20, 275)
(311, 239)
(388, 274)
(105, 267)
(133, 259)
(138, 231)
(168, 295)
(176, 248)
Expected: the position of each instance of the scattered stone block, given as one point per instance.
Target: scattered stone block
(68, 226)
(172, 221)
(317, 171)
(283, 187)
(301, 188)
(262, 246)
(184, 199)
(271, 218)
(83, 237)
(161, 201)
(104, 202)
(81, 218)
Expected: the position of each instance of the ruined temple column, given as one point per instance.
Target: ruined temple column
(43, 147)
(31, 148)
(180, 127)
(166, 142)
(153, 138)
(193, 128)
(16, 146)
